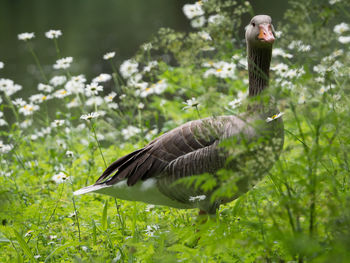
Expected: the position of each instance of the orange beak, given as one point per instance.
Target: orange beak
(265, 33)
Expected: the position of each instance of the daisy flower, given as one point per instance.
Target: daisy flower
(128, 68)
(110, 97)
(193, 10)
(59, 178)
(108, 55)
(57, 123)
(25, 36)
(58, 80)
(1, 65)
(28, 109)
(53, 34)
(45, 88)
(93, 89)
(191, 103)
(103, 77)
(273, 117)
(63, 63)
(341, 28)
(89, 116)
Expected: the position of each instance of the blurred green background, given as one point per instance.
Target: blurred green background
(90, 29)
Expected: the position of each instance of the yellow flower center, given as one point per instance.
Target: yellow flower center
(274, 116)
(219, 70)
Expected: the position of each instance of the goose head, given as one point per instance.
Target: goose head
(260, 32)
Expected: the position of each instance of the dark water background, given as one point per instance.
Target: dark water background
(90, 29)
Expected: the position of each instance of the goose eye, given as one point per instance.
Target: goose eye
(253, 24)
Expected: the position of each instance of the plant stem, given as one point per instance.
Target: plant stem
(98, 143)
(37, 62)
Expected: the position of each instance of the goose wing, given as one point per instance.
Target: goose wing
(188, 149)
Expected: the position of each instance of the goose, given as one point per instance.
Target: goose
(151, 174)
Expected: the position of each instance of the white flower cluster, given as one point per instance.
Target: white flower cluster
(51, 34)
(145, 89)
(195, 13)
(339, 30)
(299, 46)
(26, 36)
(238, 101)
(63, 63)
(59, 178)
(220, 69)
(9, 87)
(2, 121)
(130, 131)
(5, 148)
(280, 52)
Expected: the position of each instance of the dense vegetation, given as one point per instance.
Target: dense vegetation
(60, 139)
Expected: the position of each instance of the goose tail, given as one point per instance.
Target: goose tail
(89, 189)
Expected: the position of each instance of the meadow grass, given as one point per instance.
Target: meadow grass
(61, 139)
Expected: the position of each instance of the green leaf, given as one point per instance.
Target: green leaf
(104, 216)
(59, 249)
(23, 244)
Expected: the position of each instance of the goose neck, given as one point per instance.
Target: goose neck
(258, 67)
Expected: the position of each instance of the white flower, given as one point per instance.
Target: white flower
(302, 98)
(59, 178)
(197, 198)
(128, 68)
(74, 103)
(53, 34)
(235, 103)
(94, 101)
(191, 103)
(130, 131)
(140, 106)
(280, 68)
(103, 77)
(204, 35)
(3, 122)
(28, 109)
(193, 10)
(198, 22)
(45, 88)
(69, 154)
(150, 66)
(93, 89)
(26, 36)
(58, 80)
(89, 116)
(26, 123)
(160, 86)
(113, 105)
(147, 46)
(76, 84)
(57, 123)
(216, 19)
(344, 39)
(332, 2)
(19, 102)
(341, 28)
(299, 45)
(221, 69)
(278, 34)
(151, 229)
(273, 117)
(9, 87)
(108, 55)
(39, 98)
(1, 64)
(63, 63)
(134, 79)
(110, 97)
(61, 93)
(5, 148)
(281, 52)
(323, 89)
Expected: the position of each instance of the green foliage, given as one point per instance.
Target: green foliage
(298, 213)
